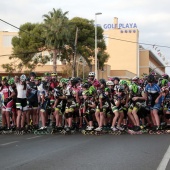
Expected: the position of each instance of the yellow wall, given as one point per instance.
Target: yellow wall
(123, 55)
(5, 46)
(144, 62)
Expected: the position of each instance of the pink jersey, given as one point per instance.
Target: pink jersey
(96, 83)
(5, 91)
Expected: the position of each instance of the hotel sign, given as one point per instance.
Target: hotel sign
(121, 25)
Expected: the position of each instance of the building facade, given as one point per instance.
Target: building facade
(127, 57)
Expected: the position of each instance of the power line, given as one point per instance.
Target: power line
(44, 39)
(138, 42)
(21, 29)
(105, 37)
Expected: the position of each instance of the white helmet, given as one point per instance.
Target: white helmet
(23, 77)
(92, 74)
(135, 78)
(109, 83)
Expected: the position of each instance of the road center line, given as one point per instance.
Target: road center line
(9, 143)
(165, 160)
(34, 137)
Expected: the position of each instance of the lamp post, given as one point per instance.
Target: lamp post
(96, 73)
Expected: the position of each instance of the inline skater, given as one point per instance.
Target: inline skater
(166, 104)
(84, 87)
(118, 100)
(154, 98)
(124, 105)
(91, 79)
(8, 94)
(115, 81)
(54, 82)
(44, 102)
(88, 109)
(57, 109)
(11, 83)
(21, 103)
(101, 105)
(32, 97)
(136, 98)
(76, 93)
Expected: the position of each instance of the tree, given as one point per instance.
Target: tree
(56, 32)
(27, 47)
(86, 42)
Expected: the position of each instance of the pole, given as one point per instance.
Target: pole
(75, 54)
(83, 68)
(96, 73)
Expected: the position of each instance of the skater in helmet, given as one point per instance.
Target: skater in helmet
(21, 103)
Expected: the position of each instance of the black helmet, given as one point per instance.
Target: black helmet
(85, 85)
(32, 74)
(165, 76)
(102, 81)
(74, 81)
(151, 78)
(116, 78)
(120, 89)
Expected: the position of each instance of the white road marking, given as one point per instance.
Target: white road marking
(165, 160)
(34, 137)
(9, 143)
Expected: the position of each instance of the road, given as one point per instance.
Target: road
(79, 152)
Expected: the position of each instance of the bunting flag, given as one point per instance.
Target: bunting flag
(166, 62)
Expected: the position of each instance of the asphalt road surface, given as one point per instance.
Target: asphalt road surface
(79, 152)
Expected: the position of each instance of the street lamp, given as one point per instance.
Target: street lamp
(96, 73)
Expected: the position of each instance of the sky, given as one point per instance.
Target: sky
(152, 17)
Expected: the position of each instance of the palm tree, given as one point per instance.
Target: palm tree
(56, 32)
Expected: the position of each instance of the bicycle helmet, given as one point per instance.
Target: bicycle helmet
(151, 79)
(23, 78)
(165, 76)
(4, 79)
(74, 81)
(102, 81)
(85, 85)
(153, 73)
(92, 90)
(11, 81)
(107, 90)
(109, 83)
(46, 74)
(53, 74)
(164, 82)
(122, 82)
(136, 78)
(32, 74)
(91, 74)
(115, 78)
(64, 81)
(120, 89)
